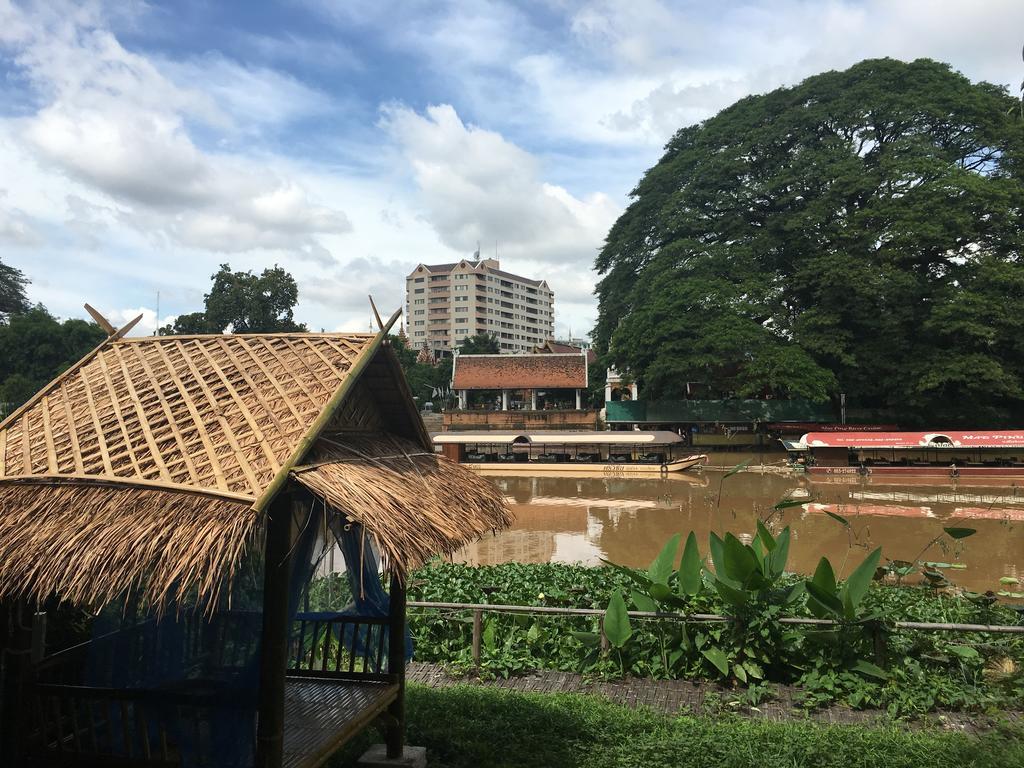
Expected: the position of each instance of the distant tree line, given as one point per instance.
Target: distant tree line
(34, 345)
(860, 232)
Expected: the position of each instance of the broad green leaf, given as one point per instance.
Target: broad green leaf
(779, 555)
(488, 636)
(717, 657)
(1008, 580)
(684, 639)
(642, 602)
(869, 669)
(533, 633)
(795, 593)
(717, 553)
(738, 468)
(822, 603)
(838, 518)
(960, 533)
(661, 568)
(856, 586)
(766, 536)
(591, 639)
(660, 592)
(824, 577)
(739, 672)
(730, 594)
(787, 503)
(616, 622)
(754, 670)
(690, 581)
(638, 577)
(739, 560)
(964, 652)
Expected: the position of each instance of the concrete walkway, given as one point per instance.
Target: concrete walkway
(677, 697)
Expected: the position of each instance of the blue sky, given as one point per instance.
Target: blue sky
(143, 144)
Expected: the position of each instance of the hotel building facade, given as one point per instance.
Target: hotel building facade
(447, 303)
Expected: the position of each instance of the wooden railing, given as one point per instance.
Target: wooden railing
(106, 701)
(347, 647)
(117, 726)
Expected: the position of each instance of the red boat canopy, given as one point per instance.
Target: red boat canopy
(979, 439)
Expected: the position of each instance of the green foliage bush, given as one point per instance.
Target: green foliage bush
(926, 670)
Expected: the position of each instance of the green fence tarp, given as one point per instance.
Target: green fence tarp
(720, 411)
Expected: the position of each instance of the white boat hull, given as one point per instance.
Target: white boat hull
(607, 469)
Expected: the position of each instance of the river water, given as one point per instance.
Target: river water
(628, 520)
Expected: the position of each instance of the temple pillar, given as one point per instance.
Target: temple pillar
(579, 404)
(533, 399)
(504, 399)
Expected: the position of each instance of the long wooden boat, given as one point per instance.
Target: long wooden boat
(950, 455)
(613, 454)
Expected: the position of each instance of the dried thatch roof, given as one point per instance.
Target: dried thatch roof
(152, 460)
(374, 479)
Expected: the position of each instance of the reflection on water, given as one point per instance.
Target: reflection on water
(627, 520)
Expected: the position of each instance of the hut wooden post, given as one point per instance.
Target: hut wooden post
(274, 648)
(396, 666)
(15, 641)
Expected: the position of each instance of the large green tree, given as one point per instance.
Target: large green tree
(12, 291)
(244, 303)
(860, 232)
(480, 344)
(35, 347)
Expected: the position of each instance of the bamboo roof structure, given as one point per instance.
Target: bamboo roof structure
(152, 461)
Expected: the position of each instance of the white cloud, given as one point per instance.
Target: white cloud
(475, 186)
(147, 326)
(16, 227)
(114, 122)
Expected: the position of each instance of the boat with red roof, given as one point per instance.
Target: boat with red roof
(953, 454)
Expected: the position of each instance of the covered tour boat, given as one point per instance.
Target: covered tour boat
(981, 453)
(609, 453)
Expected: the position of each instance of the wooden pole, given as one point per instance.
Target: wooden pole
(478, 622)
(274, 648)
(14, 646)
(396, 667)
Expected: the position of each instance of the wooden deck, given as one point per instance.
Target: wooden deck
(322, 714)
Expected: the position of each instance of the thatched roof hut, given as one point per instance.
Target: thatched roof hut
(155, 464)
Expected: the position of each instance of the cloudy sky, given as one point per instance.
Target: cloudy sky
(142, 144)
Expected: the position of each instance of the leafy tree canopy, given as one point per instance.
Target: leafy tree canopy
(12, 291)
(423, 377)
(480, 344)
(860, 232)
(242, 302)
(35, 347)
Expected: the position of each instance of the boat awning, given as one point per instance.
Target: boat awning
(886, 440)
(663, 437)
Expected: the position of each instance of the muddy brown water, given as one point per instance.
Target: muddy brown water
(627, 520)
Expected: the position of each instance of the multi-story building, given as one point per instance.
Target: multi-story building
(446, 303)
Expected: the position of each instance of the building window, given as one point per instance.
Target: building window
(418, 290)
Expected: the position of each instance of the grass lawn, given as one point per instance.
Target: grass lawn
(479, 727)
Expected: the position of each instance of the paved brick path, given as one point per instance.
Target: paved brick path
(675, 696)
